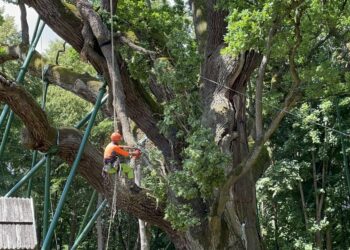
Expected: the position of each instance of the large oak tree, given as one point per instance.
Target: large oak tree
(225, 210)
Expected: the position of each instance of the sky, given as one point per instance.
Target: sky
(47, 36)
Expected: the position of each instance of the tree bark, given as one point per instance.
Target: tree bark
(56, 16)
(24, 23)
(231, 222)
(303, 205)
(318, 237)
(39, 135)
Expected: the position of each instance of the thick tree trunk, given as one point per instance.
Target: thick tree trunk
(230, 225)
(224, 113)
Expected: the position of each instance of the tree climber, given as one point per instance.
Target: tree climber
(114, 150)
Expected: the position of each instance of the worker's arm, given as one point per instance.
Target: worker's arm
(120, 151)
(126, 147)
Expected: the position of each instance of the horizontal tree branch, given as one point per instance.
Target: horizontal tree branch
(86, 86)
(137, 108)
(126, 41)
(40, 135)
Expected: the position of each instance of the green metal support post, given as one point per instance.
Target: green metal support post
(82, 122)
(47, 195)
(41, 162)
(34, 157)
(25, 178)
(4, 114)
(47, 241)
(6, 133)
(89, 225)
(88, 211)
(19, 80)
(35, 153)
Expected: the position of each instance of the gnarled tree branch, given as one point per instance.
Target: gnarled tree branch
(40, 135)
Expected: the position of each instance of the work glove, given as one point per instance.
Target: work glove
(136, 154)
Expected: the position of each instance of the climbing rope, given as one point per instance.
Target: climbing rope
(113, 207)
(113, 67)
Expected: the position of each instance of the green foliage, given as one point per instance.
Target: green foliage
(62, 114)
(203, 166)
(8, 33)
(180, 216)
(69, 59)
(322, 65)
(203, 171)
(278, 191)
(247, 26)
(153, 180)
(322, 62)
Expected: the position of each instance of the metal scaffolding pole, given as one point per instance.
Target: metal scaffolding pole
(89, 225)
(19, 80)
(47, 241)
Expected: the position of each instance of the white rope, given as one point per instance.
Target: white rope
(113, 66)
(295, 116)
(113, 208)
(244, 236)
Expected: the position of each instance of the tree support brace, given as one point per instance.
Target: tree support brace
(47, 194)
(19, 80)
(47, 241)
(87, 117)
(26, 177)
(43, 104)
(88, 211)
(89, 225)
(4, 114)
(34, 158)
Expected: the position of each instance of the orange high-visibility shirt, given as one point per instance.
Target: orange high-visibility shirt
(112, 149)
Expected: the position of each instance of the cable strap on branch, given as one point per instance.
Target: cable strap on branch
(105, 43)
(54, 148)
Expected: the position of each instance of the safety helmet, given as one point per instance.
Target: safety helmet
(116, 137)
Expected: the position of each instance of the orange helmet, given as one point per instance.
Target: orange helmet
(116, 137)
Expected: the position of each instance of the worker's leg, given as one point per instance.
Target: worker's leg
(107, 166)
